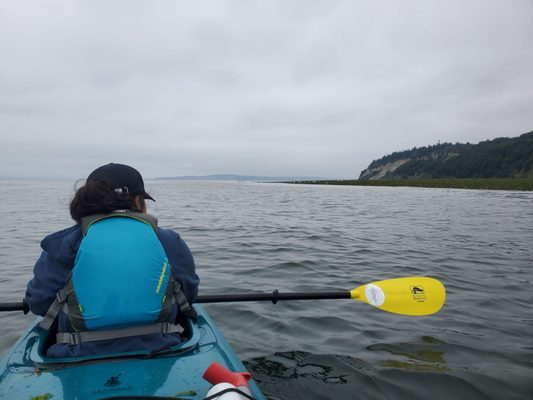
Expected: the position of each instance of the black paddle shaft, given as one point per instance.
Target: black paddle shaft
(11, 306)
(274, 297)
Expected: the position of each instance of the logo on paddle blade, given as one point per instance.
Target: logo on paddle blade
(418, 292)
(417, 289)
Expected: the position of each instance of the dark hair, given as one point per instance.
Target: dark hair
(99, 197)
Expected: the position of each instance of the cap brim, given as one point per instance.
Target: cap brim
(147, 196)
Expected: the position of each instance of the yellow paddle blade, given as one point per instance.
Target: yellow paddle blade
(417, 295)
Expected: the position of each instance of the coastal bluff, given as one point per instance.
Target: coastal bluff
(497, 158)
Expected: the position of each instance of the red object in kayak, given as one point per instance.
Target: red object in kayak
(216, 373)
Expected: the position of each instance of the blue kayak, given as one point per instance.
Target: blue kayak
(175, 372)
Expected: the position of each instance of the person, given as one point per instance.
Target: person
(115, 281)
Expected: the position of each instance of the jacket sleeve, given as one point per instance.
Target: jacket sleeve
(49, 276)
(52, 269)
(182, 262)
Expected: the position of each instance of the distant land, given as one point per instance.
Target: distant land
(240, 178)
(524, 184)
(499, 164)
(497, 158)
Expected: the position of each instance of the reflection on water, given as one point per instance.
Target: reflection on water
(425, 356)
(296, 365)
(301, 375)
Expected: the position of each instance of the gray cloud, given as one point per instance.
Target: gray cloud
(265, 88)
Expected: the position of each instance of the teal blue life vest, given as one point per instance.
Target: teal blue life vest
(121, 284)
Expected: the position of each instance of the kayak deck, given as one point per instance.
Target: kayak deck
(173, 372)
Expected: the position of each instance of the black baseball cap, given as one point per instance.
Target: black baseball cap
(121, 177)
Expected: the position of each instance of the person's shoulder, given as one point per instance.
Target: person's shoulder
(69, 236)
(167, 234)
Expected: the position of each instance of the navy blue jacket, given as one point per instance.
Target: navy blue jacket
(57, 261)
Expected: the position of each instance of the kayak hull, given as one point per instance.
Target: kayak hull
(174, 372)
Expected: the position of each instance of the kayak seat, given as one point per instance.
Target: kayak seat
(190, 337)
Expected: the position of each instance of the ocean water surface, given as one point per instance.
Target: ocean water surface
(253, 237)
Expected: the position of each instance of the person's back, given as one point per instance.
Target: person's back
(121, 279)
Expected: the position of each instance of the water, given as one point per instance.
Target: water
(259, 237)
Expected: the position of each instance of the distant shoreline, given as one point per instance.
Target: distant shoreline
(236, 178)
(450, 183)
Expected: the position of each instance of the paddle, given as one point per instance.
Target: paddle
(407, 296)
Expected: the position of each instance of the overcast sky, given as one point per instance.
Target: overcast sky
(301, 88)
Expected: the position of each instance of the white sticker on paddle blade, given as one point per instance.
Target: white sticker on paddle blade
(374, 294)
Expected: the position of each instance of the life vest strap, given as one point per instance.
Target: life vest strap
(183, 304)
(87, 222)
(75, 338)
(51, 314)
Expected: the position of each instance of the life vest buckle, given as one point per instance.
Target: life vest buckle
(72, 339)
(62, 295)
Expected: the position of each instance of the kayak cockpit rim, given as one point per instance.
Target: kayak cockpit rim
(40, 360)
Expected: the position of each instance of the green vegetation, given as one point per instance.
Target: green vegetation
(490, 184)
(498, 158)
(46, 396)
